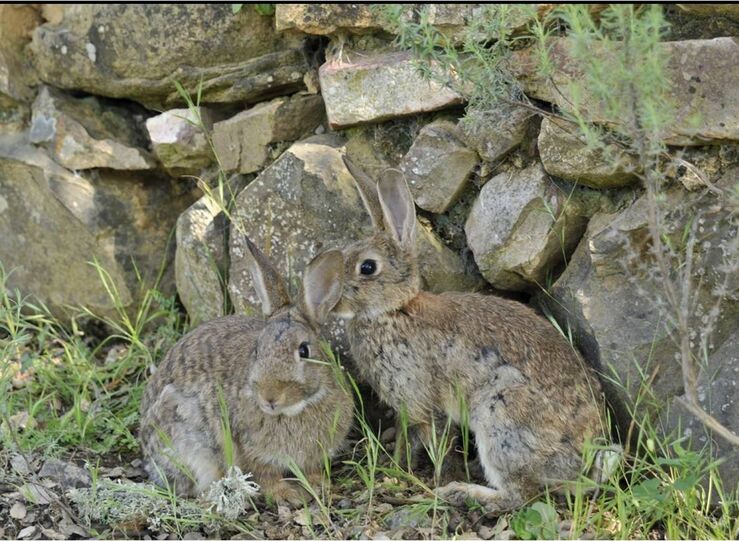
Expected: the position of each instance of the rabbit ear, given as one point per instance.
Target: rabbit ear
(323, 282)
(397, 208)
(268, 283)
(367, 191)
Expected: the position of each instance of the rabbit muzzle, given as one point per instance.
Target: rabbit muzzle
(286, 398)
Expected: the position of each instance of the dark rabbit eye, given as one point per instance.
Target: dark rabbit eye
(368, 267)
(304, 350)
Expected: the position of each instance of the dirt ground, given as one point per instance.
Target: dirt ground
(51, 498)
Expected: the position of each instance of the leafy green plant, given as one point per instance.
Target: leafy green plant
(537, 521)
(266, 10)
(70, 392)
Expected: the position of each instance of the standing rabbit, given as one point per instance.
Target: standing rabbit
(531, 400)
(283, 403)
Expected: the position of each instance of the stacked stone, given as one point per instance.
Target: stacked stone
(101, 159)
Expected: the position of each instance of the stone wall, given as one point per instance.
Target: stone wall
(99, 151)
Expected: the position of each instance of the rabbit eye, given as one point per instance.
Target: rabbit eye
(368, 267)
(304, 350)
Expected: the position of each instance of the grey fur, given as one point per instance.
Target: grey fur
(252, 363)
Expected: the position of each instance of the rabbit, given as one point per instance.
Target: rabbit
(531, 400)
(283, 404)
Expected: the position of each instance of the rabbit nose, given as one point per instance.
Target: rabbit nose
(270, 400)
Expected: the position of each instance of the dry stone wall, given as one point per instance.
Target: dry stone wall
(99, 151)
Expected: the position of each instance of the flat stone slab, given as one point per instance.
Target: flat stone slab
(380, 87)
(81, 133)
(139, 51)
(241, 142)
(704, 86)
(566, 155)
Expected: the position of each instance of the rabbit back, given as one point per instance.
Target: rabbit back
(531, 400)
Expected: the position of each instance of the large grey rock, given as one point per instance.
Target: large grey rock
(138, 51)
(178, 140)
(564, 154)
(303, 203)
(306, 202)
(718, 395)
(437, 166)
(201, 260)
(495, 132)
(704, 85)
(522, 225)
(372, 88)
(55, 223)
(241, 142)
(326, 19)
(612, 297)
(17, 21)
(84, 134)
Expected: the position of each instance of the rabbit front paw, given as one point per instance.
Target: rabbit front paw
(494, 501)
(288, 493)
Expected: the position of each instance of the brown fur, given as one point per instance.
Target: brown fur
(532, 402)
(253, 363)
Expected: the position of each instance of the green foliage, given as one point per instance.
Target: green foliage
(624, 77)
(69, 391)
(475, 65)
(228, 442)
(538, 521)
(266, 10)
(220, 193)
(622, 96)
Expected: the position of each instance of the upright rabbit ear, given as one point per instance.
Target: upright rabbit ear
(397, 206)
(323, 282)
(268, 283)
(367, 191)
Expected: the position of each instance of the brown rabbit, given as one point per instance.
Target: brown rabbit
(283, 403)
(531, 400)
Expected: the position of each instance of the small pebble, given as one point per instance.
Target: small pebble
(27, 532)
(20, 465)
(18, 511)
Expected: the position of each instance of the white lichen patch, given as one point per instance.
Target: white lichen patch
(91, 52)
(231, 494)
(120, 504)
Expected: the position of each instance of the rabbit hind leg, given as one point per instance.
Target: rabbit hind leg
(501, 495)
(188, 476)
(180, 453)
